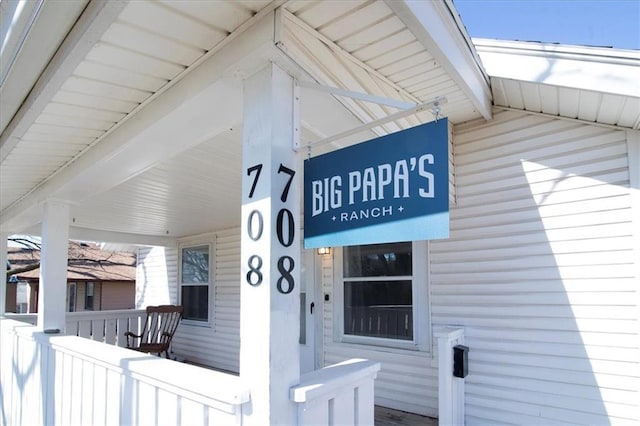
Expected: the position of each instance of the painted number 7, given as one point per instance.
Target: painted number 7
(257, 169)
(285, 190)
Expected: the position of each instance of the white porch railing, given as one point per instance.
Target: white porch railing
(105, 326)
(67, 380)
(102, 326)
(341, 394)
(57, 379)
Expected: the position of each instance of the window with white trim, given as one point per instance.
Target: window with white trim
(195, 281)
(384, 295)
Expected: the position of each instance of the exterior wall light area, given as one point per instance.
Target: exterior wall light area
(324, 250)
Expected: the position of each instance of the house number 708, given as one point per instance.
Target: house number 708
(285, 231)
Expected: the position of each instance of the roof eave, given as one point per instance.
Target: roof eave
(605, 70)
(438, 27)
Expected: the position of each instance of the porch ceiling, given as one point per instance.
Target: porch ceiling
(120, 122)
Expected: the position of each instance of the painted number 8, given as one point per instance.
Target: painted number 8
(254, 276)
(285, 275)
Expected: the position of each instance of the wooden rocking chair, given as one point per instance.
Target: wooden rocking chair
(157, 332)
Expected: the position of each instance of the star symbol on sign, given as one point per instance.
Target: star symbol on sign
(334, 218)
(400, 209)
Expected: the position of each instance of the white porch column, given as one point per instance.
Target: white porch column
(270, 253)
(53, 266)
(3, 265)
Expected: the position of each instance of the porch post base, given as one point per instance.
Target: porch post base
(450, 388)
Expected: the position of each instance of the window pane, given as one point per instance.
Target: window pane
(377, 260)
(379, 309)
(71, 297)
(88, 296)
(195, 264)
(195, 300)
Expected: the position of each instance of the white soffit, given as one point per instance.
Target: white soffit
(112, 63)
(366, 47)
(127, 64)
(599, 85)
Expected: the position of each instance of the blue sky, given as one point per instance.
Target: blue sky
(613, 23)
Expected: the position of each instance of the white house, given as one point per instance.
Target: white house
(144, 123)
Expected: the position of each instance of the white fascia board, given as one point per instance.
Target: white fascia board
(23, 222)
(434, 24)
(51, 26)
(78, 233)
(604, 70)
(95, 235)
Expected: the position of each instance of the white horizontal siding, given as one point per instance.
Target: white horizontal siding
(227, 300)
(219, 346)
(406, 380)
(540, 271)
(156, 276)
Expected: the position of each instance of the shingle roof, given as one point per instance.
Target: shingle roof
(86, 262)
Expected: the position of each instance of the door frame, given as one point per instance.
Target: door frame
(312, 277)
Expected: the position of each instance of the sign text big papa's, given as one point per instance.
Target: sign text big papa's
(388, 189)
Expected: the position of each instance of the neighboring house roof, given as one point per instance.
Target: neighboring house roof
(86, 262)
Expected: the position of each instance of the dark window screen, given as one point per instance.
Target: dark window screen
(195, 300)
(379, 309)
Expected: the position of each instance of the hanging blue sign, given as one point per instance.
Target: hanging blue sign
(389, 189)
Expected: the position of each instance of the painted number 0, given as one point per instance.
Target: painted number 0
(290, 227)
(255, 225)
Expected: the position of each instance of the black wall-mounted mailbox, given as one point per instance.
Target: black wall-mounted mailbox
(460, 361)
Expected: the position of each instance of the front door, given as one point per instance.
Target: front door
(309, 311)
